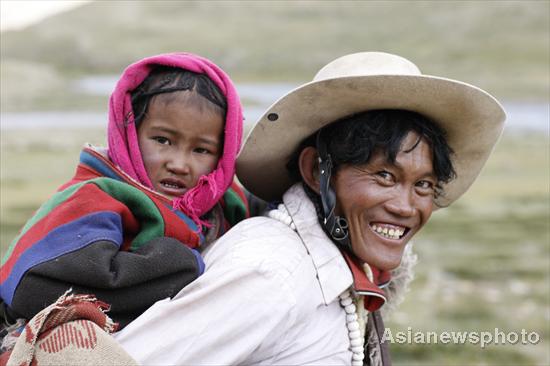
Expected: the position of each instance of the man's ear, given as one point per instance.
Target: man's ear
(309, 167)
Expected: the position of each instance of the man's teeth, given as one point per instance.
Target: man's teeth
(388, 233)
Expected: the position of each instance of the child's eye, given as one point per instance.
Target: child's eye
(161, 140)
(201, 150)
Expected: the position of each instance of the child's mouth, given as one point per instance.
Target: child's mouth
(172, 187)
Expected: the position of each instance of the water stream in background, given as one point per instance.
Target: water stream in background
(256, 96)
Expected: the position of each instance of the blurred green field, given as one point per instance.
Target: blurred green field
(484, 262)
(500, 46)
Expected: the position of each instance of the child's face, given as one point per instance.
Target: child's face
(181, 139)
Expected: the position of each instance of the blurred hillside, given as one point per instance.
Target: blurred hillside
(501, 46)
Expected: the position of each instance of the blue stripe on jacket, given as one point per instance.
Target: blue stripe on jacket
(67, 238)
(99, 166)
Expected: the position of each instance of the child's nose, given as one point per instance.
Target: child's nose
(179, 164)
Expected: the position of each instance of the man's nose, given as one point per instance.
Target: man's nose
(402, 204)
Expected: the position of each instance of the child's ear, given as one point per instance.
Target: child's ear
(309, 167)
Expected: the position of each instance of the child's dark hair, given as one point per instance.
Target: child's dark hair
(165, 79)
(353, 140)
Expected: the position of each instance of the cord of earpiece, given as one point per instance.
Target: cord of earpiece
(335, 226)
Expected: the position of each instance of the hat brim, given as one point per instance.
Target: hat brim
(472, 119)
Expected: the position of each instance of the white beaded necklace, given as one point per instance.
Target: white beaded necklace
(356, 315)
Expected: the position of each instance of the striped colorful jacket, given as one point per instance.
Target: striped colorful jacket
(105, 234)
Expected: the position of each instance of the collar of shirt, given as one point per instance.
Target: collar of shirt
(368, 286)
(336, 271)
(333, 273)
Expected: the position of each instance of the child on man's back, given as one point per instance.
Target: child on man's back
(126, 227)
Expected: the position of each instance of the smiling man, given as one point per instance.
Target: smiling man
(355, 162)
(384, 178)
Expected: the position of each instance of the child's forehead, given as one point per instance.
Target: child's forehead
(178, 96)
(186, 98)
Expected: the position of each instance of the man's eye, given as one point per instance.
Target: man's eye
(385, 178)
(426, 186)
(385, 175)
(161, 140)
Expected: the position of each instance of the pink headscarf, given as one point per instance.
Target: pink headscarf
(123, 141)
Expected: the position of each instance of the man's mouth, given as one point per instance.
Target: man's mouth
(389, 231)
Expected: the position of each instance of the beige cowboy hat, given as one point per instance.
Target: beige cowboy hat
(471, 117)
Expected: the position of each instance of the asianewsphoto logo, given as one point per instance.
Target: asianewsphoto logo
(481, 338)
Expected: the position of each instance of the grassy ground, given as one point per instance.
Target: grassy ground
(483, 263)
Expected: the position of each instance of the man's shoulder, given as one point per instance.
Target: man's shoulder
(262, 231)
(261, 242)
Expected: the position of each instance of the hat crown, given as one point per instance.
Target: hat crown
(365, 64)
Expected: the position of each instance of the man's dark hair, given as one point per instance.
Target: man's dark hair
(353, 140)
(164, 79)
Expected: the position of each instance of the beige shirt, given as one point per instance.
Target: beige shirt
(269, 296)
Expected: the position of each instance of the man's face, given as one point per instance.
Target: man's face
(386, 204)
